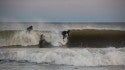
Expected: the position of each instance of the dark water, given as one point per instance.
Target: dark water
(96, 38)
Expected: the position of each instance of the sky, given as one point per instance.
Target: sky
(62, 10)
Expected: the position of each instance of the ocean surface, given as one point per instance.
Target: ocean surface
(34, 66)
(81, 34)
(89, 44)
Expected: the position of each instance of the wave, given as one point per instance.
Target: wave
(66, 56)
(24, 38)
(15, 33)
(78, 38)
(90, 34)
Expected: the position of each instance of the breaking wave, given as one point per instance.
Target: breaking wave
(65, 56)
(15, 33)
(25, 38)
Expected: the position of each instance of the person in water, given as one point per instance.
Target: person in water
(43, 43)
(65, 34)
(29, 28)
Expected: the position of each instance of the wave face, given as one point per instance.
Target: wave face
(65, 56)
(96, 38)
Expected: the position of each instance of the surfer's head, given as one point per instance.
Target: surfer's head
(65, 34)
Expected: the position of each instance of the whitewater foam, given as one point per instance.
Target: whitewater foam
(57, 39)
(25, 38)
(65, 56)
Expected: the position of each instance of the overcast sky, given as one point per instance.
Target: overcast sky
(63, 10)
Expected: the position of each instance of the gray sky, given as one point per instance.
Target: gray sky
(63, 10)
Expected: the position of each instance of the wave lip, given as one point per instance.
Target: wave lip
(65, 56)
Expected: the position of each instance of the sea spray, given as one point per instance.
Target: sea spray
(25, 38)
(57, 39)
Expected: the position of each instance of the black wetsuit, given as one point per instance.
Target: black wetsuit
(43, 43)
(30, 28)
(65, 33)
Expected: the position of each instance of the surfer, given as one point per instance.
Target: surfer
(65, 34)
(43, 43)
(29, 28)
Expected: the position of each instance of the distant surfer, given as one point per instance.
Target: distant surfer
(29, 28)
(65, 34)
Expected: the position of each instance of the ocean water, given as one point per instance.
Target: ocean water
(60, 26)
(66, 56)
(89, 44)
(34, 66)
(81, 35)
